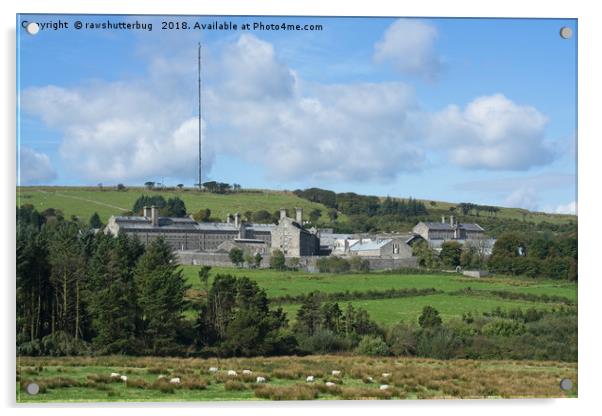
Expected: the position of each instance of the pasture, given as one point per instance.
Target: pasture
(87, 379)
(83, 202)
(448, 301)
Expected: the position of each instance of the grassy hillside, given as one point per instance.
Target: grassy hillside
(83, 202)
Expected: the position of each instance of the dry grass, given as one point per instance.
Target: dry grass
(360, 376)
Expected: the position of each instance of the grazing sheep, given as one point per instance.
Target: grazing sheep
(370, 379)
(124, 378)
(384, 387)
(175, 380)
(232, 373)
(161, 377)
(330, 384)
(213, 369)
(310, 379)
(115, 375)
(386, 375)
(260, 379)
(336, 373)
(247, 372)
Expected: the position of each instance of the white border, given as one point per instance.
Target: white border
(590, 34)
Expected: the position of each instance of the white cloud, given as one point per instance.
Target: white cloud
(570, 208)
(120, 132)
(492, 132)
(34, 168)
(523, 198)
(258, 109)
(408, 45)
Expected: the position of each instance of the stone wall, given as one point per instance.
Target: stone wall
(211, 259)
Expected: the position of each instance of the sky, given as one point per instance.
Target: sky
(459, 110)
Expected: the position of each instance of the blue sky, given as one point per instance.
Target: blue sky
(479, 110)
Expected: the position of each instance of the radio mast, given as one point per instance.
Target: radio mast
(200, 153)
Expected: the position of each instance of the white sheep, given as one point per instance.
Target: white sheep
(336, 373)
(386, 375)
(384, 387)
(124, 378)
(161, 377)
(115, 375)
(330, 384)
(310, 379)
(247, 372)
(232, 373)
(260, 379)
(370, 379)
(175, 380)
(213, 369)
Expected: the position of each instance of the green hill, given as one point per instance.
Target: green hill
(84, 201)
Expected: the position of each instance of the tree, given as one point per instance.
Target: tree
(175, 207)
(236, 256)
(112, 297)
(258, 258)
(250, 260)
(315, 215)
(429, 318)
(202, 215)
(450, 253)
(95, 221)
(121, 187)
(180, 186)
(333, 214)
(161, 288)
(204, 276)
(309, 315)
(149, 185)
(277, 261)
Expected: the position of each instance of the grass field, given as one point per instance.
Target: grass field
(87, 379)
(83, 202)
(389, 311)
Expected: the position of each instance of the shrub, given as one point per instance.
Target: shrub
(504, 328)
(324, 341)
(234, 385)
(370, 345)
(295, 392)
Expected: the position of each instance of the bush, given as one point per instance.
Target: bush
(504, 328)
(402, 339)
(370, 345)
(324, 341)
(333, 264)
(438, 342)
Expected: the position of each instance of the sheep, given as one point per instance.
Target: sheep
(161, 377)
(330, 384)
(370, 379)
(384, 387)
(115, 375)
(124, 378)
(260, 379)
(310, 379)
(213, 369)
(175, 380)
(247, 372)
(336, 373)
(386, 375)
(232, 373)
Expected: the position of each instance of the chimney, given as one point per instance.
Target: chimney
(146, 212)
(443, 219)
(228, 218)
(299, 215)
(282, 213)
(237, 219)
(155, 216)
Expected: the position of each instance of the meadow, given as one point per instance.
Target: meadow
(450, 301)
(87, 379)
(83, 202)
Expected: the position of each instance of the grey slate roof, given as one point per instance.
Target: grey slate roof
(446, 227)
(369, 245)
